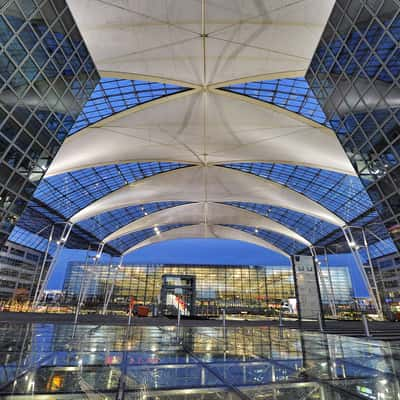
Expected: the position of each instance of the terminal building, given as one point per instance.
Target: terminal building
(387, 274)
(19, 271)
(206, 289)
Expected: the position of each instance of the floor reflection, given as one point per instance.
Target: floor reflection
(44, 361)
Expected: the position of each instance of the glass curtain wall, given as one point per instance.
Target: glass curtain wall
(355, 76)
(46, 77)
(238, 289)
(253, 289)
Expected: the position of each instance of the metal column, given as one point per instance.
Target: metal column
(87, 278)
(110, 289)
(348, 232)
(60, 245)
(329, 293)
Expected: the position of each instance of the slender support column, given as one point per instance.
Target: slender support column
(354, 248)
(378, 298)
(39, 281)
(92, 273)
(84, 278)
(330, 282)
(87, 278)
(110, 290)
(60, 245)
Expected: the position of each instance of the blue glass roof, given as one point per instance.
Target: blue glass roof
(26, 238)
(39, 218)
(114, 95)
(342, 194)
(307, 226)
(70, 192)
(58, 198)
(381, 248)
(291, 94)
(104, 224)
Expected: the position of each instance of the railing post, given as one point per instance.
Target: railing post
(224, 322)
(178, 322)
(320, 322)
(365, 325)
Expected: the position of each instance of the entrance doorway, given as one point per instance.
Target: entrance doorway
(178, 291)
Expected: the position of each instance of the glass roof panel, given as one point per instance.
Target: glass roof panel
(307, 226)
(104, 224)
(342, 194)
(39, 218)
(70, 192)
(58, 198)
(291, 94)
(25, 238)
(114, 95)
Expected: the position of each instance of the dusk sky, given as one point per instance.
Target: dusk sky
(207, 251)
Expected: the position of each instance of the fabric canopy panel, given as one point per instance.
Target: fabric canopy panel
(207, 231)
(204, 184)
(202, 127)
(209, 213)
(201, 42)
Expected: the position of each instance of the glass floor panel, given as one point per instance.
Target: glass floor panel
(55, 361)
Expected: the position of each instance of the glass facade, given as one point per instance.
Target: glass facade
(19, 271)
(355, 75)
(46, 77)
(341, 290)
(254, 289)
(387, 275)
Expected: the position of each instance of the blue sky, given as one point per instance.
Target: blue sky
(204, 251)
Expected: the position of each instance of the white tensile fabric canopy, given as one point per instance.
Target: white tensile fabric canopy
(203, 45)
(201, 127)
(209, 213)
(216, 184)
(207, 231)
(201, 42)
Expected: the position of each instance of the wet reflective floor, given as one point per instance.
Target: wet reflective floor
(46, 361)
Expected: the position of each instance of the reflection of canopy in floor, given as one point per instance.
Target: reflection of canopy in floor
(204, 184)
(210, 213)
(201, 42)
(206, 231)
(201, 127)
